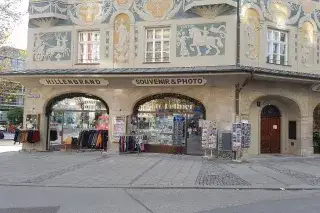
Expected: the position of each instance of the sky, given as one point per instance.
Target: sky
(19, 35)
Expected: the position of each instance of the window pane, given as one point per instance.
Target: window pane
(275, 48)
(283, 37)
(158, 33)
(166, 45)
(283, 49)
(81, 37)
(276, 35)
(150, 34)
(269, 34)
(158, 56)
(158, 46)
(166, 33)
(149, 46)
(166, 56)
(81, 48)
(149, 57)
(283, 60)
(89, 37)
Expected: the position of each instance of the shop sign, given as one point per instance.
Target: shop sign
(74, 81)
(316, 88)
(169, 81)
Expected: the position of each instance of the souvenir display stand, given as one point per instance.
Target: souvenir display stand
(241, 138)
(209, 137)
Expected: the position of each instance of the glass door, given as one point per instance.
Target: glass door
(193, 135)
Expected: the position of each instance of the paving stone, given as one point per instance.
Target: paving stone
(212, 174)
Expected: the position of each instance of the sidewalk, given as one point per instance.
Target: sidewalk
(156, 171)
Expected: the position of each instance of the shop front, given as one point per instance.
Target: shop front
(170, 123)
(77, 121)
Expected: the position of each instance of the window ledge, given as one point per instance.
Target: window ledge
(87, 64)
(280, 64)
(164, 62)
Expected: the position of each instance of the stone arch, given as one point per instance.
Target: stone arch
(290, 111)
(147, 98)
(126, 12)
(59, 97)
(252, 7)
(305, 19)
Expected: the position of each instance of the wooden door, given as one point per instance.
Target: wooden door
(270, 131)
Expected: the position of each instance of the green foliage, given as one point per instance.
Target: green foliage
(15, 115)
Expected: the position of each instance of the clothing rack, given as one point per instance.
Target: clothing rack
(130, 143)
(27, 136)
(92, 139)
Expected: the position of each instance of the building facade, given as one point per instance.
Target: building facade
(225, 61)
(11, 59)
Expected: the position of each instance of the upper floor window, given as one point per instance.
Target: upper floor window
(277, 47)
(89, 47)
(157, 45)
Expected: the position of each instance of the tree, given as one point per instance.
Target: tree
(9, 17)
(15, 115)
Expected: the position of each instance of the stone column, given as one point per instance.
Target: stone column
(306, 136)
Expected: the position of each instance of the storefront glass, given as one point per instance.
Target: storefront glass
(72, 116)
(172, 121)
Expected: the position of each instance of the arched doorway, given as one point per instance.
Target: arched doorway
(270, 130)
(316, 130)
(171, 122)
(76, 117)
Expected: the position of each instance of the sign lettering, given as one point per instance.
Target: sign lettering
(74, 82)
(169, 81)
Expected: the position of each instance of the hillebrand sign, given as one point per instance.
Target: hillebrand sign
(74, 81)
(169, 81)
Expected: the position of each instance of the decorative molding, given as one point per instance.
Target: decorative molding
(211, 11)
(107, 44)
(136, 41)
(45, 22)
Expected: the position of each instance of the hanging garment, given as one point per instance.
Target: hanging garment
(16, 135)
(29, 136)
(53, 135)
(36, 136)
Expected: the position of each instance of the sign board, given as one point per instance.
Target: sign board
(74, 81)
(145, 82)
(119, 127)
(316, 88)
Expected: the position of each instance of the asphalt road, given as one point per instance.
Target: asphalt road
(93, 200)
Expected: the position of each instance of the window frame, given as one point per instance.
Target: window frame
(270, 47)
(154, 40)
(84, 60)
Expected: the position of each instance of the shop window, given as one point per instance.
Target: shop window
(157, 45)
(292, 130)
(169, 119)
(277, 47)
(89, 47)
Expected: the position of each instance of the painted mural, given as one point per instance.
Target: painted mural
(52, 46)
(39, 7)
(121, 39)
(286, 12)
(252, 34)
(307, 41)
(201, 39)
(91, 12)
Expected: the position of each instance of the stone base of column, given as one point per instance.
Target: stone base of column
(307, 151)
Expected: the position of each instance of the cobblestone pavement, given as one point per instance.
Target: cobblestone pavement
(155, 171)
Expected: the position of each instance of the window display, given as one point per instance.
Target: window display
(73, 118)
(170, 120)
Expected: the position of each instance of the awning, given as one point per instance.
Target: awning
(206, 70)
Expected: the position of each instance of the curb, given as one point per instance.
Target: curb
(317, 188)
